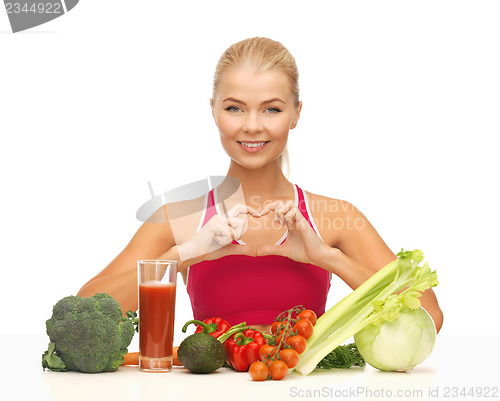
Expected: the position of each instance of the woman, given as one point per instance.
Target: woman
(279, 245)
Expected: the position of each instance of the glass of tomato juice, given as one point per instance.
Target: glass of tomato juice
(157, 284)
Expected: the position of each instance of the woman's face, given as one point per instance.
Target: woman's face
(254, 112)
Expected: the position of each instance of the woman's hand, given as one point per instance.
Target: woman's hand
(213, 241)
(302, 243)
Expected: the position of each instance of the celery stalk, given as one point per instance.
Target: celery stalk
(341, 312)
(376, 300)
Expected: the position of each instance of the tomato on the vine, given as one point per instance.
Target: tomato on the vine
(290, 331)
(298, 343)
(290, 357)
(308, 314)
(304, 328)
(258, 371)
(278, 369)
(282, 339)
(278, 326)
(266, 351)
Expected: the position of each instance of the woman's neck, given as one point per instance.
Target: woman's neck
(267, 183)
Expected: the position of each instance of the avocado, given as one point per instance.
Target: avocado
(201, 353)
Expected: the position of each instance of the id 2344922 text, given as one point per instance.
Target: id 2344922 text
(33, 8)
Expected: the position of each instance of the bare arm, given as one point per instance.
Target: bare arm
(359, 252)
(119, 278)
(156, 241)
(352, 249)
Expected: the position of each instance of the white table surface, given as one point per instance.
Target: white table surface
(455, 365)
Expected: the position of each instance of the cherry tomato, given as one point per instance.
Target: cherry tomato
(298, 343)
(278, 370)
(267, 351)
(258, 371)
(308, 314)
(304, 328)
(278, 326)
(285, 338)
(290, 357)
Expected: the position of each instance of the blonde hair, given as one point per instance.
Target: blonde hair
(262, 54)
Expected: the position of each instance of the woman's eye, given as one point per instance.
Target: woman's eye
(232, 108)
(273, 110)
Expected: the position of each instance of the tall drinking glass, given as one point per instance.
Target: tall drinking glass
(157, 284)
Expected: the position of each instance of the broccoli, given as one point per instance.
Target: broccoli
(87, 335)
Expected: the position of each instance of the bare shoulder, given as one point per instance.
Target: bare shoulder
(184, 218)
(342, 225)
(325, 204)
(325, 207)
(334, 216)
(172, 224)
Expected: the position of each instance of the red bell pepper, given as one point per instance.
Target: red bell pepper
(243, 349)
(217, 326)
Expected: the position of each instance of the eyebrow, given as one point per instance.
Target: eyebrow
(274, 99)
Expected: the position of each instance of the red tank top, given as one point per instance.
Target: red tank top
(255, 290)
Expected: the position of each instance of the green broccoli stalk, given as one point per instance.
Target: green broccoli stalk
(52, 361)
(132, 316)
(87, 335)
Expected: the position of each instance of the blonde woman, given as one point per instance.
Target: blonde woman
(278, 247)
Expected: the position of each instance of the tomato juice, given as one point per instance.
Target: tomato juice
(156, 324)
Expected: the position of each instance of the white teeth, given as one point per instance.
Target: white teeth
(252, 145)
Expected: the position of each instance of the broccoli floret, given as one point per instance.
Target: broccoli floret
(89, 334)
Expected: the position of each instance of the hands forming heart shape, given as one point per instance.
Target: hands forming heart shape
(215, 239)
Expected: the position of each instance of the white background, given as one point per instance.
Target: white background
(401, 110)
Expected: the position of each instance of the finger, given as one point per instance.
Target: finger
(235, 222)
(271, 250)
(223, 234)
(264, 211)
(279, 214)
(239, 226)
(269, 207)
(237, 249)
(291, 218)
(231, 249)
(297, 220)
(275, 206)
(242, 209)
(280, 211)
(224, 240)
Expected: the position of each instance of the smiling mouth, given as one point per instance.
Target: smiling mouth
(253, 144)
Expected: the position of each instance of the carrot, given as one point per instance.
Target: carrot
(132, 358)
(175, 359)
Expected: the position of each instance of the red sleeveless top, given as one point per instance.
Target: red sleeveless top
(255, 290)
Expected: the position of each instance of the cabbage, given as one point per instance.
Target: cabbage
(398, 345)
(387, 294)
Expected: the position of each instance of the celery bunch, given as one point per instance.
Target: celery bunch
(378, 299)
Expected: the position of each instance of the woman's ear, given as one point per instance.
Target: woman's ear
(297, 116)
(213, 111)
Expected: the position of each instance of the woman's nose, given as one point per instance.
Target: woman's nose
(252, 123)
